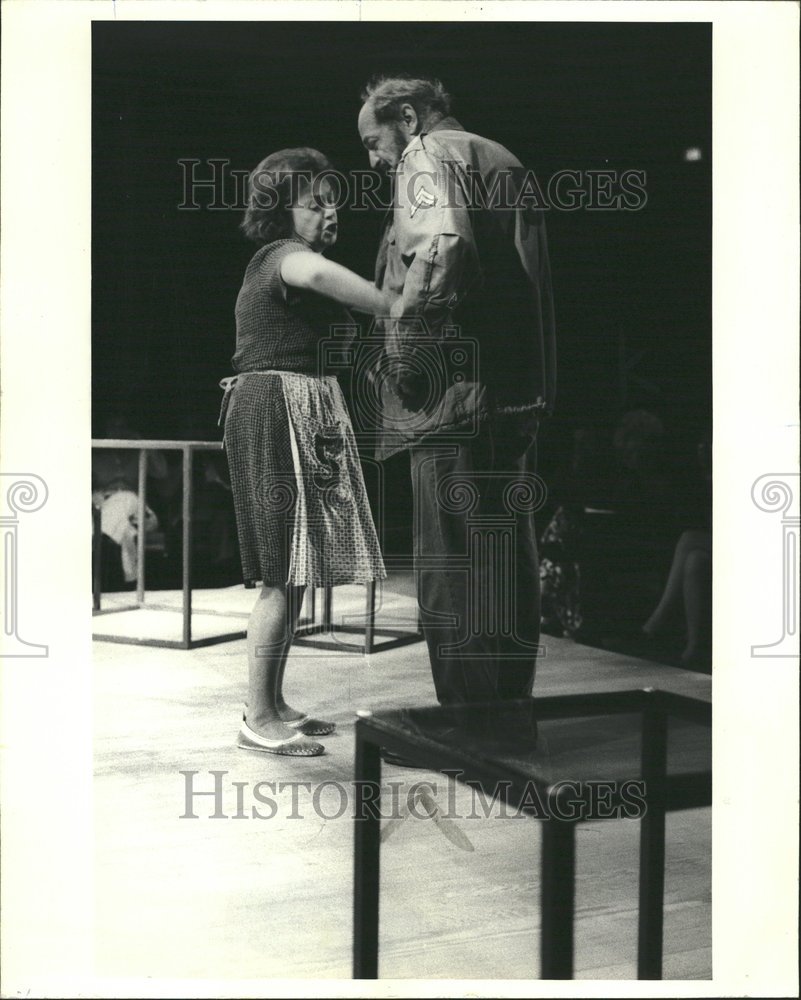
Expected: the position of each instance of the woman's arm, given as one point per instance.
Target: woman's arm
(313, 272)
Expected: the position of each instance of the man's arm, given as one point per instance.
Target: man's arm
(434, 238)
(434, 243)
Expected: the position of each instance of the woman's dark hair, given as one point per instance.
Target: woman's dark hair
(271, 189)
(387, 94)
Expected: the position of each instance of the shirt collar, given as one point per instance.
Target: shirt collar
(443, 124)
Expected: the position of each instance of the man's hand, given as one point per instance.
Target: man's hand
(412, 387)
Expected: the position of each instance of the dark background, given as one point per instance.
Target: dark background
(632, 289)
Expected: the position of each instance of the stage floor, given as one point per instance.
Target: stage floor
(230, 895)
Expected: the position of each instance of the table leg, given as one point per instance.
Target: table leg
(140, 531)
(652, 848)
(369, 629)
(187, 547)
(367, 844)
(328, 608)
(97, 549)
(558, 898)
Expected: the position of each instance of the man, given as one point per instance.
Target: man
(467, 372)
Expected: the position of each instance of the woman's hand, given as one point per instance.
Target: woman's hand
(389, 300)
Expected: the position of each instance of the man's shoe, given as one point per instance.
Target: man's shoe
(397, 760)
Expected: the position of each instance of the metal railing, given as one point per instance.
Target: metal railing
(309, 629)
(188, 449)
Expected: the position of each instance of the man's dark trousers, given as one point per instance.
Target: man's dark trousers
(476, 562)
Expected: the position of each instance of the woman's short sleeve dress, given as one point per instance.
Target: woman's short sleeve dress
(302, 513)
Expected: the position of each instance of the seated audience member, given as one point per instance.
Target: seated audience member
(688, 589)
(115, 492)
(609, 530)
(214, 542)
(215, 551)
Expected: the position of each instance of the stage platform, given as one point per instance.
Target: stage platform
(230, 895)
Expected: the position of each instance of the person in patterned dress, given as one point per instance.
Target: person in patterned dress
(303, 517)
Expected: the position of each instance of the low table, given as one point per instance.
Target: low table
(564, 760)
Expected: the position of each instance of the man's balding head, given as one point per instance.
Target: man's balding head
(387, 95)
(394, 110)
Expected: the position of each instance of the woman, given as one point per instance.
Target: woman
(302, 513)
(689, 583)
(688, 587)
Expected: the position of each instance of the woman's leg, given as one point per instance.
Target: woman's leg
(697, 589)
(271, 628)
(670, 601)
(295, 601)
